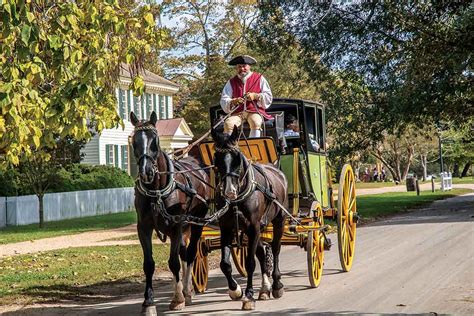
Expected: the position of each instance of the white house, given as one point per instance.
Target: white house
(112, 146)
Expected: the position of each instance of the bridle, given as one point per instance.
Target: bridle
(249, 174)
(155, 170)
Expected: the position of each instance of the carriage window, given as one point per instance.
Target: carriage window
(310, 117)
(320, 127)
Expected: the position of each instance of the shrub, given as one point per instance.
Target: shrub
(74, 177)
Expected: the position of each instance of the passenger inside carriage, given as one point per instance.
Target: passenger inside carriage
(292, 131)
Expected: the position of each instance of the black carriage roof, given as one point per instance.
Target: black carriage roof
(284, 100)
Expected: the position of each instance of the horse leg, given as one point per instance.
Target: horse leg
(278, 227)
(145, 232)
(177, 303)
(191, 251)
(253, 234)
(235, 292)
(264, 293)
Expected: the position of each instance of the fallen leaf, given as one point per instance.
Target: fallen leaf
(401, 305)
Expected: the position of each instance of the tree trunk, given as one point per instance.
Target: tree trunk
(424, 164)
(378, 154)
(41, 210)
(409, 159)
(465, 169)
(456, 170)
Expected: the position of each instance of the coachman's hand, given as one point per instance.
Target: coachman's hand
(236, 102)
(253, 96)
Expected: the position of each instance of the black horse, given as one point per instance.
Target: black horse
(251, 190)
(163, 195)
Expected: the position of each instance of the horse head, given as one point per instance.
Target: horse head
(228, 162)
(146, 146)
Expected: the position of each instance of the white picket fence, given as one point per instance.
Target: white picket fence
(23, 210)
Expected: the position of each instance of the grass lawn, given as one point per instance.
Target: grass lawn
(464, 180)
(66, 227)
(93, 273)
(373, 185)
(374, 206)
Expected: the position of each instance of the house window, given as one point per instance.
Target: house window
(149, 104)
(156, 107)
(136, 106)
(109, 155)
(143, 114)
(124, 157)
(122, 104)
(168, 103)
(162, 108)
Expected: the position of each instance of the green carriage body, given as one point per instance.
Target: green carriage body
(312, 182)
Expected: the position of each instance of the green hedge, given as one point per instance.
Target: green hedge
(75, 177)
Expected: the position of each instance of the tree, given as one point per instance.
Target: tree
(414, 57)
(60, 61)
(458, 146)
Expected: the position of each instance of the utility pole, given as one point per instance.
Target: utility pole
(440, 148)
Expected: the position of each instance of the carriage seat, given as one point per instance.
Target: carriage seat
(273, 128)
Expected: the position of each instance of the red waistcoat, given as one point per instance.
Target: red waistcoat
(251, 85)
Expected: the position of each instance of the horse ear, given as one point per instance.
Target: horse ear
(153, 118)
(235, 134)
(133, 119)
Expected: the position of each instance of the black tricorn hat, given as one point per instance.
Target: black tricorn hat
(241, 60)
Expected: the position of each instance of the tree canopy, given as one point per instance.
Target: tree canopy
(415, 57)
(60, 61)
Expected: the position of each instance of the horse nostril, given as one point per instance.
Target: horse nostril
(231, 195)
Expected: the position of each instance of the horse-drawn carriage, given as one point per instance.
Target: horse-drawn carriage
(302, 158)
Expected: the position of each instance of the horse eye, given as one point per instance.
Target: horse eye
(153, 146)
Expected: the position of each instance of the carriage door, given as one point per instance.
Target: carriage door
(314, 164)
(321, 137)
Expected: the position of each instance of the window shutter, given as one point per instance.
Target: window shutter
(149, 104)
(107, 154)
(125, 157)
(120, 99)
(129, 104)
(143, 107)
(136, 106)
(116, 155)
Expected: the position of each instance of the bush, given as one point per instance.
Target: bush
(74, 177)
(77, 177)
(9, 182)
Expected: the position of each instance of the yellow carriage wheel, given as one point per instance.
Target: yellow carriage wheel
(315, 248)
(346, 217)
(200, 268)
(239, 254)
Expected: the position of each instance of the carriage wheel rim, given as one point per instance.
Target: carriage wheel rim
(315, 249)
(200, 269)
(347, 208)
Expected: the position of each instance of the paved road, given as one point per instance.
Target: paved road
(420, 262)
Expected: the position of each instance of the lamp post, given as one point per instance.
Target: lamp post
(440, 149)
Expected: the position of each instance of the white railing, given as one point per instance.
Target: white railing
(23, 210)
(446, 181)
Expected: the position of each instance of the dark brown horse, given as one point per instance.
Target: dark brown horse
(251, 190)
(164, 194)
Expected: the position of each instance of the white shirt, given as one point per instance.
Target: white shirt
(265, 100)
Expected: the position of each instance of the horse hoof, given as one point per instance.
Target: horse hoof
(278, 293)
(149, 311)
(148, 302)
(177, 306)
(188, 299)
(263, 296)
(248, 304)
(236, 294)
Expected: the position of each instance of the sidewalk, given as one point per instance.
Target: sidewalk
(86, 239)
(403, 188)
